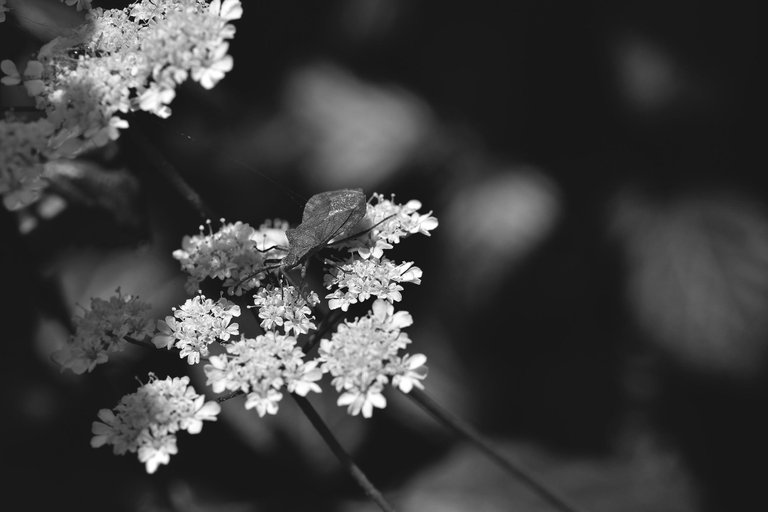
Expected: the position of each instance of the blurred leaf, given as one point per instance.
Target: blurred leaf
(698, 278)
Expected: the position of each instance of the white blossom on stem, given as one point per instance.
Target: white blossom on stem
(357, 280)
(363, 355)
(286, 308)
(386, 223)
(146, 422)
(195, 325)
(234, 254)
(261, 367)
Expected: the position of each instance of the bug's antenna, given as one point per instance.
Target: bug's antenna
(293, 196)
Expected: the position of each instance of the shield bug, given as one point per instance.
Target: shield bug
(328, 217)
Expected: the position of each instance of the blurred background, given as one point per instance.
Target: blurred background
(595, 299)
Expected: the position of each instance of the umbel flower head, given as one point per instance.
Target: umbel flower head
(232, 254)
(195, 325)
(286, 308)
(146, 422)
(357, 280)
(103, 329)
(386, 223)
(362, 356)
(261, 367)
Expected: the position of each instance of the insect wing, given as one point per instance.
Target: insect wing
(326, 216)
(329, 203)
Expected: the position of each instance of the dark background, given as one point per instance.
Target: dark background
(594, 300)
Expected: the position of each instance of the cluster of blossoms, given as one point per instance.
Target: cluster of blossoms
(233, 254)
(118, 61)
(362, 356)
(103, 329)
(262, 366)
(195, 325)
(364, 278)
(146, 422)
(286, 308)
(386, 223)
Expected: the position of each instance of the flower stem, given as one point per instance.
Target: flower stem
(341, 454)
(468, 432)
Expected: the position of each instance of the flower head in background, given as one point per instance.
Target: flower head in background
(104, 329)
(119, 61)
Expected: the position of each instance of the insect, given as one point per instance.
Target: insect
(328, 217)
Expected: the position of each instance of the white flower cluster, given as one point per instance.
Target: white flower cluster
(123, 60)
(286, 308)
(364, 278)
(195, 325)
(261, 367)
(362, 356)
(233, 254)
(146, 422)
(104, 329)
(386, 223)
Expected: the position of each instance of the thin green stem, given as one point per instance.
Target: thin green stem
(469, 433)
(341, 454)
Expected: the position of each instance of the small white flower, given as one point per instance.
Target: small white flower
(229, 9)
(413, 372)
(363, 401)
(220, 64)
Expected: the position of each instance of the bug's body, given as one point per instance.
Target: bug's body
(328, 216)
